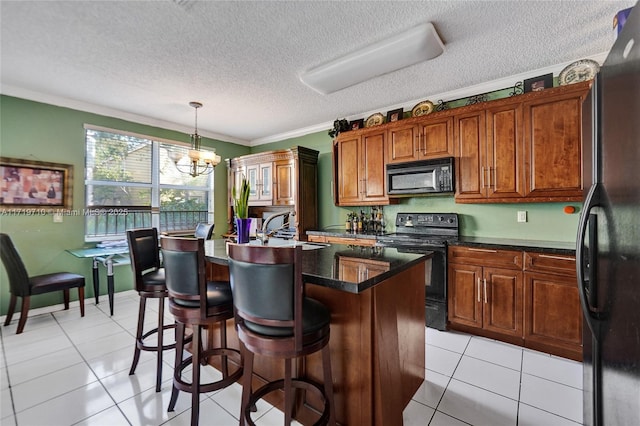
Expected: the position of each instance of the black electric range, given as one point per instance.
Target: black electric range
(419, 233)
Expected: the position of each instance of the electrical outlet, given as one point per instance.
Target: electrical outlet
(57, 218)
(522, 216)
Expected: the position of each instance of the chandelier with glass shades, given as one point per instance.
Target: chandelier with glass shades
(200, 162)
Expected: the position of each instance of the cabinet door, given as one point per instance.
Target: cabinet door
(260, 185)
(502, 298)
(348, 153)
(253, 178)
(373, 167)
(470, 146)
(266, 184)
(505, 156)
(553, 319)
(553, 147)
(284, 182)
(435, 138)
(402, 144)
(465, 299)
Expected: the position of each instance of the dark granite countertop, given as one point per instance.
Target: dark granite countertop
(540, 246)
(554, 247)
(321, 265)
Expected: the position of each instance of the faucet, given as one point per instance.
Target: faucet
(265, 234)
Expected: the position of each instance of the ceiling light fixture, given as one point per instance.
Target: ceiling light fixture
(419, 44)
(200, 162)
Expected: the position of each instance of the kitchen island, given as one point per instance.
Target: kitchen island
(376, 297)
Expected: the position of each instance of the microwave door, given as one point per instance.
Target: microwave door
(413, 182)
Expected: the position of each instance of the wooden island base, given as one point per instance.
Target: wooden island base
(377, 350)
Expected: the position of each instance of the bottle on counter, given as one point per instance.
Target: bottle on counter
(360, 221)
(347, 224)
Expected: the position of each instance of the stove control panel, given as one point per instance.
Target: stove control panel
(427, 220)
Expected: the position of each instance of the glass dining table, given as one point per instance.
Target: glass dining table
(109, 257)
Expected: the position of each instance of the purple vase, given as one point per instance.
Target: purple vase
(243, 226)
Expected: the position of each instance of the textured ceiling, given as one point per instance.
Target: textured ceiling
(145, 60)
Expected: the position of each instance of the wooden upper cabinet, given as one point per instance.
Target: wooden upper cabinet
(505, 177)
(553, 146)
(360, 168)
(281, 181)
(471, 153)
(284, 183)
(420, 139)
(525, 149)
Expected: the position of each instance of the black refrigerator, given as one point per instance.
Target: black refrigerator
(608, 243)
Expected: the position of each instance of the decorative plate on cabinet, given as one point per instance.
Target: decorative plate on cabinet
(374, 120)
(582, 70)
(423, 108)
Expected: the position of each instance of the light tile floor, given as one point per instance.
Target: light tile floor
(64, 370)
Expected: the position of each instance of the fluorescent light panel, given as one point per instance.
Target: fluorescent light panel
(419, 44)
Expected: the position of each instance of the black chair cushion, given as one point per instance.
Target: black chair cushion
(154, 280)
(56, 281)
(218, 294)
(314, 317)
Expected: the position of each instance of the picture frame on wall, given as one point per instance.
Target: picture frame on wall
(35, 185)
(356, 124)
(536, 84)
(394, 115)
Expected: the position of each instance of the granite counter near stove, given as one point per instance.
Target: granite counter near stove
(538, 246)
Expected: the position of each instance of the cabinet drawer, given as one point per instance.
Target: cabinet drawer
(351, 241)
(317, 238)
(550, 263)
(486, 257)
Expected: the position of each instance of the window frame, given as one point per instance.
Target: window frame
(156, 187)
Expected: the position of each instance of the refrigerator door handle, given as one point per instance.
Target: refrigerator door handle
(588, 285)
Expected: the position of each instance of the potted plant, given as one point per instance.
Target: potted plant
(241, 209)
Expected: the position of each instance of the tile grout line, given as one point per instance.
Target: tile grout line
(448, 383)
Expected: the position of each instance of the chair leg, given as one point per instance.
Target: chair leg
(223, 344)
(328, 383)
(195, 380)
(159, 348)
(288, 392)
(139, 330)
(176, 365)
(12, 308)
(81, 300)
(24, 312)
(65, 294)
(247, 356)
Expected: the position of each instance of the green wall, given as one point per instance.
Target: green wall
(42, 132)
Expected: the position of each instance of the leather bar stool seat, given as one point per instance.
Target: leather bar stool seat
(150, 284)
(197, 303)
(275, 319)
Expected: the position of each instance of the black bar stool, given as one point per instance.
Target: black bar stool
(275, 319)
(197, 303)
(150, 283)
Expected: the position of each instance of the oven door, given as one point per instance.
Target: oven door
(436, 285)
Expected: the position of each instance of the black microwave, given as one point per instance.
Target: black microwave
(421, 177)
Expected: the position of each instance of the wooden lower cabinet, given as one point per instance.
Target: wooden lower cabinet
(553, 317)
(529, 299)
(487, 298)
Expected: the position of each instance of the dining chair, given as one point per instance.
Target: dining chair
(24, 286)
(198, 303)
(204, 230)
(150, 284)
(275, 319)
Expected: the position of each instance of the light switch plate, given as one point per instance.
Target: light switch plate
(522, 216)
(57, 218)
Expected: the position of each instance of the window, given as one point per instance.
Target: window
(132, 182)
